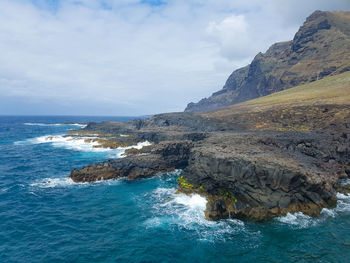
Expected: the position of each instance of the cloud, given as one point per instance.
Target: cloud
(130, 57)
(232, 35)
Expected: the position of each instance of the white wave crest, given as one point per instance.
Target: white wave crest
(138, 146)
(194, 202)
(55, 124)
(328, 212)
(66, 182)
(187, 211)
(54, 182)
(79, 143)
(68, 142)
(301, 220)
(298, 219)
(343, 204)
(174, 208)
(341, 196)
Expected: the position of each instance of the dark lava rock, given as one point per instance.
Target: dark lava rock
(253, 175)
(262, 175)
(165, 157)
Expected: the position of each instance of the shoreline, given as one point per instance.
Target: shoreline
(251, 147)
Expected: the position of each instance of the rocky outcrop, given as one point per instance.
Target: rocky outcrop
(165, 157)
(320, 48)
(252, 175)
(260, 176)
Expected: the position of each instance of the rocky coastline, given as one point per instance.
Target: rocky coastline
(247, 174)
(262, 158)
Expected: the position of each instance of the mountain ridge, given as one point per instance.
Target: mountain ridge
(318, 49)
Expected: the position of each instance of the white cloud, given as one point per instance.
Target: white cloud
(232, 35)
(128, 57)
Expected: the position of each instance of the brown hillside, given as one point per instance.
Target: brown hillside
(320, 105)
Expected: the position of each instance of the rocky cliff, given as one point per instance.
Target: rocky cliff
(320, 48)
(258, 176)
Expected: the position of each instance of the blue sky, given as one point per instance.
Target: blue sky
(133, 57)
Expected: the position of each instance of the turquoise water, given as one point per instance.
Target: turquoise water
(45, 217)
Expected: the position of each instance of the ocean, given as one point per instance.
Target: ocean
(45, 217)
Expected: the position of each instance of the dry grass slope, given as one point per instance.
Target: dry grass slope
(323, 104)
(331, 90)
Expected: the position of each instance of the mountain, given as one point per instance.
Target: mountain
(320, 48)
(319, 105)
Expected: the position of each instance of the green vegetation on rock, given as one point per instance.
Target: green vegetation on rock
(228, 195)
(182, 182)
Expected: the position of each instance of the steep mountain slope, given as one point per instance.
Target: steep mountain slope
(320, 105)
(320, 48)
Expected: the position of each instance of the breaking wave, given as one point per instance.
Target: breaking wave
(187, 212)
(53, 182)
(121, 152)
(300, 220)
(66, 182)
(343, 204)
(68, 142)
(84, 144)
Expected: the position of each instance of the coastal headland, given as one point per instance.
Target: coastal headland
(284, 152)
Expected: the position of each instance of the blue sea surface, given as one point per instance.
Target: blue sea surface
(45, 217)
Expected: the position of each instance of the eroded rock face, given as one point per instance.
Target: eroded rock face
(256, 177)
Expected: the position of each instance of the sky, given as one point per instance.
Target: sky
(133, 57)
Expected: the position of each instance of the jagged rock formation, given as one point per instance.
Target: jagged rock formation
(162, 158)
(320, 48)
(258, 176)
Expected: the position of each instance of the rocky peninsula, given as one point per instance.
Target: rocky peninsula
(245, 169)
(285, 152)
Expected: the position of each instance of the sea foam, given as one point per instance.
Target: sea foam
(53, 182)
(62, 182)
(121, 152)
(187, 212)
(343, 204)
(300, 220)
(68, 142)
(83, 144)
